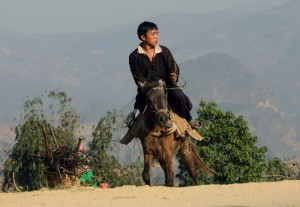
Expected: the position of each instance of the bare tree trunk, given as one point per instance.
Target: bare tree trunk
(53, 135)
(49, 155)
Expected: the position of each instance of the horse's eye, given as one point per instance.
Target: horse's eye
(151, 106)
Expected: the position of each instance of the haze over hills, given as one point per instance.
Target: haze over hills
(266, 42)
(223, 79)
(247, 63)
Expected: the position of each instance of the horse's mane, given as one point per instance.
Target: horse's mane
(152, 78)
(152, 81)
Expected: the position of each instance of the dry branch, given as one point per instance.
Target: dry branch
(53, 135)
(48, 151)
(63, 162)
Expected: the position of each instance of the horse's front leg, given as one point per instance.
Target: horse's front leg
(169, 178)
(167, 166)
(148, 160)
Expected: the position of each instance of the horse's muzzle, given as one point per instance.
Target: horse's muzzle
(163, 119)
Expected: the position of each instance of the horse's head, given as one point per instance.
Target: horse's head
(156, 100)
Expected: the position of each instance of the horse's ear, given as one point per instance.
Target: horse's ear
(162, 83)
(141, 85)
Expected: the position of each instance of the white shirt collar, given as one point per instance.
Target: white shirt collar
(157, 49)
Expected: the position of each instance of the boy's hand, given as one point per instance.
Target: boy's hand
(173, 78)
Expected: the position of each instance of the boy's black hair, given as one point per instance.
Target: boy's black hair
(145, 27)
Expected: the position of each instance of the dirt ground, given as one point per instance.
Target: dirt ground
(273, 194)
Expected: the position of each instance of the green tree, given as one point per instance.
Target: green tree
(25, 166)
(277, 170)
(229, 148)
(104, 164)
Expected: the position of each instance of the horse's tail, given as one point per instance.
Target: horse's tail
(192, 158)
(201, 165)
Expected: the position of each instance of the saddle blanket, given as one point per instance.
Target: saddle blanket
(185, 128)
(180, 126)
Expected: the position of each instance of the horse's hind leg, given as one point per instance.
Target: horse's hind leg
(148, 159)
(187, 155)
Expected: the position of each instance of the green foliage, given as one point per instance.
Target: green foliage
(27, 161)
(25, 165)
(228, 148)
(277, 170)
(105, 166)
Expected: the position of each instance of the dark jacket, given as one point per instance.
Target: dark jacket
(161, 66)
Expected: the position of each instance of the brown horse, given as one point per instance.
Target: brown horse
(160, 142)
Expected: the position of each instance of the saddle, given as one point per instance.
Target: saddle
(180, 126)
(184, 128)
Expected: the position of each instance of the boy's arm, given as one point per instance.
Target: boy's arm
(136, 70)
(173, 68)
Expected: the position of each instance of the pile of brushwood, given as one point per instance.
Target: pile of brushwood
(64, 165)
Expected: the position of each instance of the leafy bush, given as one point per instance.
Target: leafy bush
(105, 166)
(25, 167)
(229, 148)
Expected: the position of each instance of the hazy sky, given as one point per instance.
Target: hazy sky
(63, 16)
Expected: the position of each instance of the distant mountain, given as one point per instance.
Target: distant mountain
(256, 6)
(223, 79)
(260, 80)
(93, 67)
(266, 42)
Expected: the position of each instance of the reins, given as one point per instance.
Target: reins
(177, 86)
(153, 112)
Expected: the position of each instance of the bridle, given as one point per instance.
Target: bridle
(154, 114)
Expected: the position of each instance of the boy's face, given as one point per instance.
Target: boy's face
(151, 37)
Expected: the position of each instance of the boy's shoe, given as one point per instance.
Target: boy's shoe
(127, 138)
(195, 124)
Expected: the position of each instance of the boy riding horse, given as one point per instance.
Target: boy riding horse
(150, 59)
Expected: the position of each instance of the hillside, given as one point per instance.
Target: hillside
(260, 80)
(223, 79)
(267, 43)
